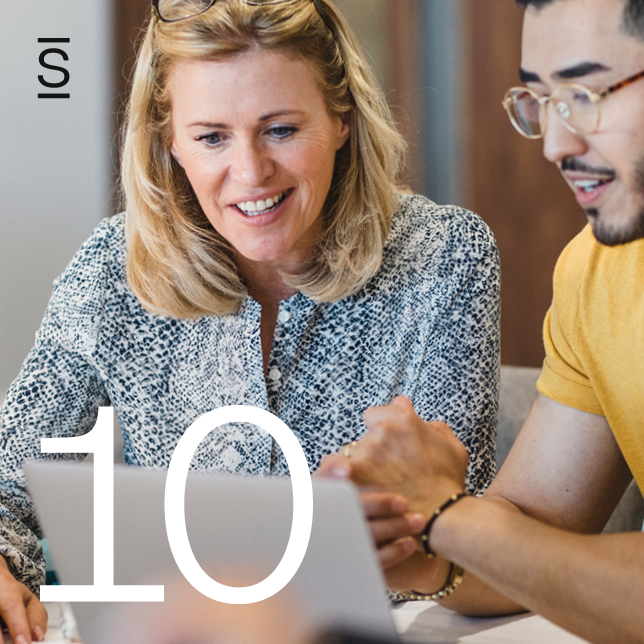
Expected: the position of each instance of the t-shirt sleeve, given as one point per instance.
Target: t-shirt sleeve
(563, 376)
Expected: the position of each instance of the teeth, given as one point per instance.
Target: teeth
(587, 185)
(259, 207)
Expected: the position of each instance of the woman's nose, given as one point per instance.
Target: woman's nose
(558, 141)
(250, 163)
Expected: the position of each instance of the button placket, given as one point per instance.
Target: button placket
(274, 374)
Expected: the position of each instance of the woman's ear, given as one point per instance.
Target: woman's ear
(175, 153)
(345, 129)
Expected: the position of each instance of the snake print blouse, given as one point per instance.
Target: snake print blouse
(426, 326)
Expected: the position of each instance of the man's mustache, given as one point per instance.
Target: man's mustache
(575, 165)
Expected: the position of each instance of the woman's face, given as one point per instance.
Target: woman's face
(258, 146)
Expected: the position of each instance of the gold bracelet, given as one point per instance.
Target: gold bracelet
(454, 580)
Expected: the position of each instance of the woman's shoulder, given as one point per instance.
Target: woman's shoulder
(422, 228)
(106, 245)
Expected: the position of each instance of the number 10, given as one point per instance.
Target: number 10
(100, 442)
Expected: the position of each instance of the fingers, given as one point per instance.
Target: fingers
(37, 617)
(385, 530)
(399, 413)
(403, 402)
(22, 612)
(395, 552)
(383, 504)
(391, 525)
(333, 466)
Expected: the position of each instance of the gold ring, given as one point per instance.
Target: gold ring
(347, 448)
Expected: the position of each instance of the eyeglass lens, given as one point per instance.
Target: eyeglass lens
(573, 104)
(525, 112)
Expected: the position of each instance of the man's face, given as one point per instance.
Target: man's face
(582, 41)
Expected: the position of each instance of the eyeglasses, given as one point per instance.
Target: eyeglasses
(575, 105)
(176, 10)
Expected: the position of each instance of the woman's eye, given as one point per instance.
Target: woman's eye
(211, 140)
(282, 131)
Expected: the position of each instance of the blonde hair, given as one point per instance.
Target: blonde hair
(177, 263)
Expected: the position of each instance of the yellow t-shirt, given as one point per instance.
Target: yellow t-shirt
(594, 339)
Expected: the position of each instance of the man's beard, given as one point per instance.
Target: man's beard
(612, 235)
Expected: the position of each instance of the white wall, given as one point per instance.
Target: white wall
(55, 165)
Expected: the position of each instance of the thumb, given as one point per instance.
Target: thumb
(403, 402)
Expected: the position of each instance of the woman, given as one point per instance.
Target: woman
(265, 258)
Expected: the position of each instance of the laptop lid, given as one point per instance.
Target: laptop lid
(238, 529)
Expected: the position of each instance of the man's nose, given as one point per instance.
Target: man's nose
(250, 163)
(558, 141)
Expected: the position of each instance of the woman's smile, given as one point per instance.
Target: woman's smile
(263, 206)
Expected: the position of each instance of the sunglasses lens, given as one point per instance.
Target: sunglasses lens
(171, 10)
(524, 112)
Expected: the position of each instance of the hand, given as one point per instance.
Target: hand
(392, 526)
(21, 610)
(403, 454)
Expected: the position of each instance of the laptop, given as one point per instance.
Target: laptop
(238, 529)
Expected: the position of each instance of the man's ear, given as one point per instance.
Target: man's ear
(175, 153)
(345, 129)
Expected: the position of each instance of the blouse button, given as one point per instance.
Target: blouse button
(274, 374)
(284, 316)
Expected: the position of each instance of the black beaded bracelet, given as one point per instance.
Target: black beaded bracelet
(437, 512)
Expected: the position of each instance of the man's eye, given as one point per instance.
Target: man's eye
(282, 131)
(213, 139)
(581, 98)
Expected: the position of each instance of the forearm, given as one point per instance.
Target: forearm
(590, 585)
(473, 597)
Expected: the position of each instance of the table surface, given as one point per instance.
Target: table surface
(430, 623)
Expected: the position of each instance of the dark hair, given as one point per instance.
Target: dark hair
(632, 24)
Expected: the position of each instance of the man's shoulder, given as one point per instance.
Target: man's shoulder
(573, 261)
(588, 266)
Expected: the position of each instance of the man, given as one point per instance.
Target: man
(532, 541)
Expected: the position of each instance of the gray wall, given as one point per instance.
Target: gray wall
(55, 166)
(442, 113)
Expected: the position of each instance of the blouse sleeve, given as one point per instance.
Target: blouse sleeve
(460, 375)
(57, 393)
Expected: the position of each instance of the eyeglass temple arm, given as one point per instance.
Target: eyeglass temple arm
(624, 83)
(324, 16)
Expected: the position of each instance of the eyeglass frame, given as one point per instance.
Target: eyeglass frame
(318, 6)
(543, 101)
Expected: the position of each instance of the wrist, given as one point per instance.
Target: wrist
(447, 528)
(426, 534)
(434, 581)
